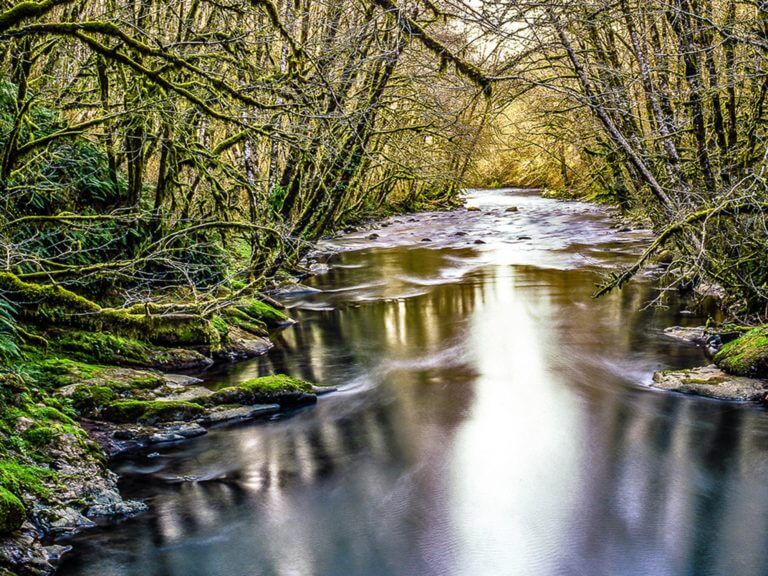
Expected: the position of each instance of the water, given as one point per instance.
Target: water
(492, 419)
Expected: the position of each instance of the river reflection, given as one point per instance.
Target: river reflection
(492, 420)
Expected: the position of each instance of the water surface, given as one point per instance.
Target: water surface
(492, 419)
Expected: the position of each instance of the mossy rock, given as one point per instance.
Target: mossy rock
(90, 400)
(258, 310)
(104, 348)
(747, 355)
(240, 319)
(150, 411)
(58, 372)
(278, 388)
(12, 513)
(23, 478)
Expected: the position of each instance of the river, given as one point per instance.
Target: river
(491, 419)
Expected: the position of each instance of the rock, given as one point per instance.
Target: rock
(523, 237)
(696, 335)
(54, 552)
(221, 415)
(150, 412)
(373, 236)
(479, 242)
(23, 553)
(177, 380)
(323, 390)
(712, 382)
(319, 268)
(12, 514)
(276, 389)
(426, 239)
(61, 521)
(473, 209)
(460, 233)
(512, 209)
(195, 394)
(243, 345)
(112, 504)
(746, 355)
(178, 359)
(294, 290)
(118, 439)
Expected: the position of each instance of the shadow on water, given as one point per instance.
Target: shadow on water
(492, 419)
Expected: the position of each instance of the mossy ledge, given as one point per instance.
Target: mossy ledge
(746, 355)
(278, 388)
(150, 411)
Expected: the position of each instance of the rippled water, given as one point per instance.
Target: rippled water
(492, 420)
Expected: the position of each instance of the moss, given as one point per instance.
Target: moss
(241, 320)
(49, 414)
(89, 400)
(746, 355)
(22, 478)
(149, 382)
(47, 305)
(261, 390)
(150, 412)
(58, 372)
(220, 325)
(104, 348)
(276, 383)
(39, 435)
(12, 514)
(258, 310)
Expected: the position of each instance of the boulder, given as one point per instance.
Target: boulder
(746, 355)
(712, 382)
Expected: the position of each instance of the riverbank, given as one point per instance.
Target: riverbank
(88, 397)
(739, 371)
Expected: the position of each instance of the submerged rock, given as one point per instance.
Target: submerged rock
(512, 209)
(712, 382)
(473, 209)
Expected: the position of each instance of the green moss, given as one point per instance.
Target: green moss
(148, 382)
(220, 325)
(12, 514)
(58, 372)
(20, 478)
(40, 435)
(276, 383)
(258, 310)
(104, 348)
(241, 320)
(150, 412)
(49, 414)
(746, 355)
(261, 390)
(89, 400)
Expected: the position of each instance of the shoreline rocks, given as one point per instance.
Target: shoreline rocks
(711, 382)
